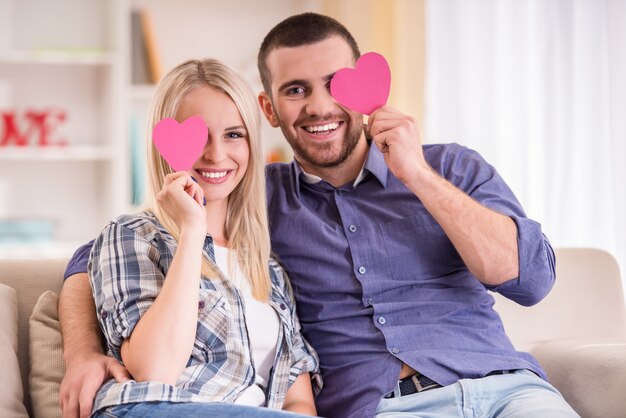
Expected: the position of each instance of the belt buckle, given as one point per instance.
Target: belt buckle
(416, 382)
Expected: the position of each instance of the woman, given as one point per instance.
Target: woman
(183, 291)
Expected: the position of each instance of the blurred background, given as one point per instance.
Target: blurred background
(538, 87)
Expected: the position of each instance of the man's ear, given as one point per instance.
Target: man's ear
(268, 109)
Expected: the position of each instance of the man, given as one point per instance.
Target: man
(391, 247)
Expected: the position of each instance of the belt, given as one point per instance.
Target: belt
(412, 384)
(419, 383)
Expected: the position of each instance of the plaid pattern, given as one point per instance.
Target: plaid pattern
(127, 267)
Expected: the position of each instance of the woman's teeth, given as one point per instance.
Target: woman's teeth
(217, 175)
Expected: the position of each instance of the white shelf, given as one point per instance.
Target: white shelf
(56, 57)
(67, 153)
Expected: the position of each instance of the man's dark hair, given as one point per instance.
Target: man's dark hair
(298, 30)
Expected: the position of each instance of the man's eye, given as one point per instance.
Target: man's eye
(295, 90)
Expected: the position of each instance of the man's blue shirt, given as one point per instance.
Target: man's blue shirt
(378, 283)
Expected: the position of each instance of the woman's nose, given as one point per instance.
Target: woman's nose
(214, 151)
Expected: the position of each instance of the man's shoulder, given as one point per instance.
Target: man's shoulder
(442, 150)
(278, 176)
(277, 170)
(445, 156)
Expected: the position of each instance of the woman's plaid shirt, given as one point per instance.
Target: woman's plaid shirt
(127, 267)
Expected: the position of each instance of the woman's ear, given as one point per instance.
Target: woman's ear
(268, 109)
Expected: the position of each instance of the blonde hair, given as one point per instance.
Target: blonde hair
(246, 219)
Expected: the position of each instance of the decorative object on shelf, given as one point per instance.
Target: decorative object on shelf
(146, 63)
(31, 127)
(276, 155)
(138, 163)
(26, 231)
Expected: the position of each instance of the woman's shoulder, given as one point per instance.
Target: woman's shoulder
(143, 223)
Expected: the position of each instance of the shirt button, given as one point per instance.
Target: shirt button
(362, 270)
(103, 313)
(352, 228)
(395, 350)
(381, 320)
(283, 306)
(201, 304)
(370, 301)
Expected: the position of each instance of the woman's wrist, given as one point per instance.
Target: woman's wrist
(192, 234)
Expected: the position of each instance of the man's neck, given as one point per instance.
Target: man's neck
(345, 172)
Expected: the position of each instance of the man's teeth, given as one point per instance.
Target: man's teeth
(322, 128)
(214, 175)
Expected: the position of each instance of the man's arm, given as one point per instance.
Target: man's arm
(86, 366)
(486, 240)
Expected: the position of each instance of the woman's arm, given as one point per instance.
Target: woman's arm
(299, 397)
(160, 345)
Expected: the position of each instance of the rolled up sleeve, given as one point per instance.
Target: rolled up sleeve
(125, 278)
(536, 265)
(471, 173)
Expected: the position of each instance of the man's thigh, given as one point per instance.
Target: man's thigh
(530, 396)
(519, 394)
(435, 403)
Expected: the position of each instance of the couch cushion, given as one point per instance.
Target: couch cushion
(11, 393)
(46, 354)
(30, 278)
(590, 374)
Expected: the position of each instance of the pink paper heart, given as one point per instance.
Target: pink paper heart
(366, 88)
(180, 143)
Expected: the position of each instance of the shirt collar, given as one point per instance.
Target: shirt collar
(375, 164)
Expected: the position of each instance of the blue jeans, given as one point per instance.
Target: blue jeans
(520, 394)
(191, 410)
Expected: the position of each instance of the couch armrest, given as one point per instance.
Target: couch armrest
(590, 374)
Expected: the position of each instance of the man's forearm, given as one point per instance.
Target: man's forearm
(77, 314)
(486, 240)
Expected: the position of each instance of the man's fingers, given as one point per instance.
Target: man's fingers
(87, 395)
(69, 405)
(119, 372)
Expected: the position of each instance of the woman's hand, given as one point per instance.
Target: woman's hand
(183, 201)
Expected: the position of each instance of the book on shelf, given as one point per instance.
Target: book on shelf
(145, 58)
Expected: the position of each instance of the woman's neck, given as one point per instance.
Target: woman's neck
(216, 222)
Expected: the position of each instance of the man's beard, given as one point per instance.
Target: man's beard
(315, 154)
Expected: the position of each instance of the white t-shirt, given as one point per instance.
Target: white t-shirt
(262, 323)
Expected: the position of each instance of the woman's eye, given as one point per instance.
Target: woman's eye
(234, 135)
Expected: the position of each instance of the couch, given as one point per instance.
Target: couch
(578, 334)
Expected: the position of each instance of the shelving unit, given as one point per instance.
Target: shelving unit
(75, 55)
(68, 55)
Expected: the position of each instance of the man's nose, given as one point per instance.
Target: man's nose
(320, 103)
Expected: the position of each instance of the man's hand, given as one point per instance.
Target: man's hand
(397, 136)
(86, 365)
(83, 377)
